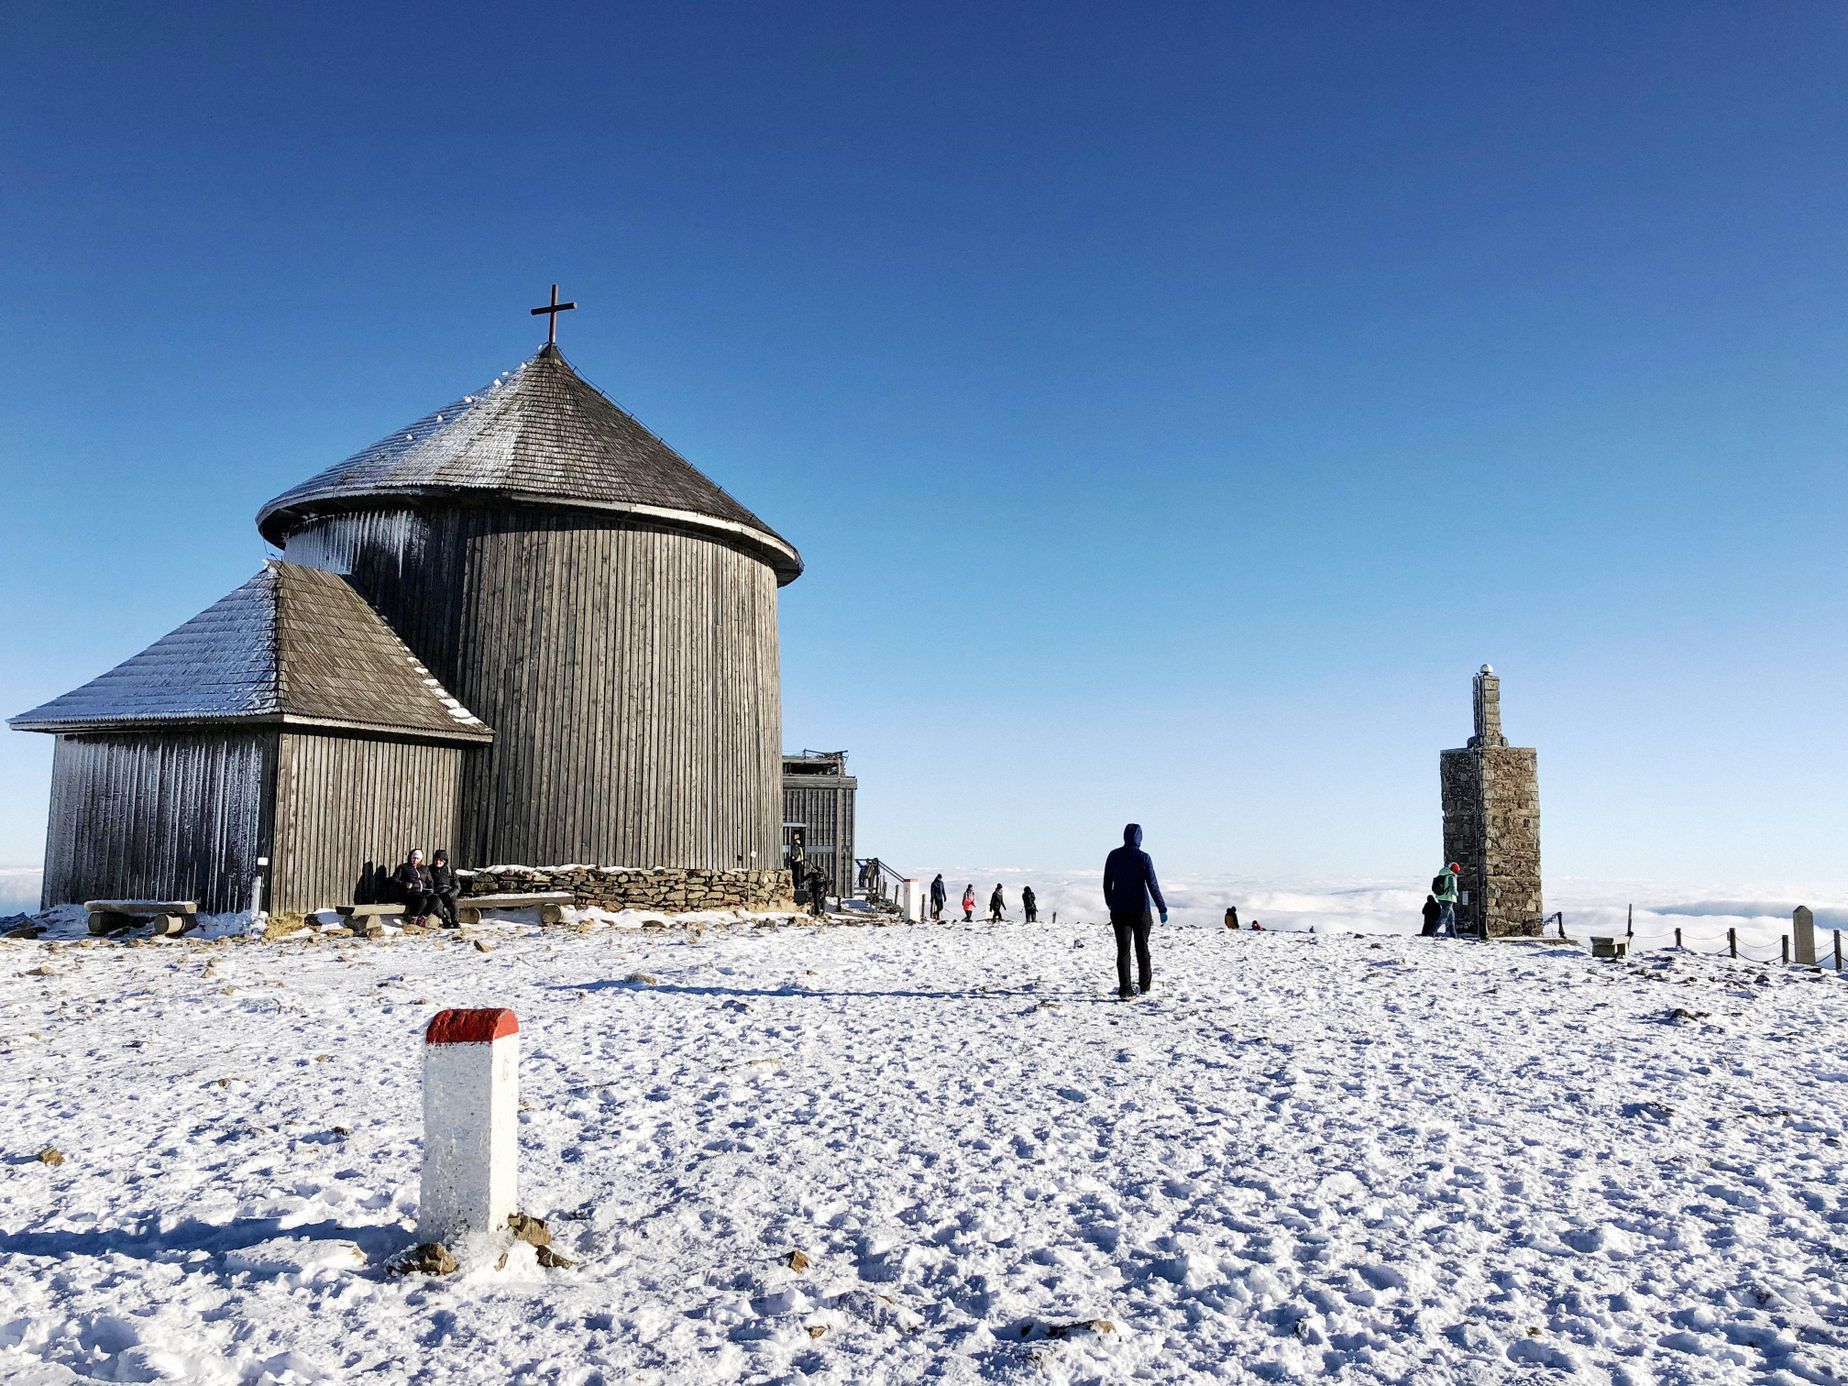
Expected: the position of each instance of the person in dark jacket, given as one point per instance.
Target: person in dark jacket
(445, 887)
(1431, 911)
(1029, 904)
(939, 896)
(818, 890)
(413, 881)
(1129, 885)
(995, 905)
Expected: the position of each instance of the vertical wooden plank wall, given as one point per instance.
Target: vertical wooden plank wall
(346, 804)
(170, 816)
(630, 673)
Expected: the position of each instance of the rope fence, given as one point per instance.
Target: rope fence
(1724, 943)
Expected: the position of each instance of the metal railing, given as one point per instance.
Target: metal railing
(879, 882)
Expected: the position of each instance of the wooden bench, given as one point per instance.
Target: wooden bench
(164, 916)
(551, 905)
(1610, 948)
(368, 919)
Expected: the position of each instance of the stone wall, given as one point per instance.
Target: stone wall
(666, 890)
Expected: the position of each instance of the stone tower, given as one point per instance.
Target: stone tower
(1491, 794)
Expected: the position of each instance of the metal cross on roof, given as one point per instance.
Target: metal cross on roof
(553, 310)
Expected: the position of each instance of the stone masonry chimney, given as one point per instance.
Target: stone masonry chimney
(1491, 798)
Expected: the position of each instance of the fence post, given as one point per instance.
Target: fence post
(1803, 925)
(471, 1109)
(1838, 950)
(1785, 940)
(1629, 921)
(1677, 938)
(1732, 942)
(1562, 923)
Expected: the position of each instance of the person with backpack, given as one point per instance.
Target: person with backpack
(969, 903)
(1431, 911)
(1129, 884)
(939, 895)
(1444, 891)
(1029, 904)
(995, 905)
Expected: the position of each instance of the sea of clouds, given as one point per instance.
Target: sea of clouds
(1760, 913)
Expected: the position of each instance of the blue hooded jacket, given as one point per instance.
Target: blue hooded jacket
(1129, 876)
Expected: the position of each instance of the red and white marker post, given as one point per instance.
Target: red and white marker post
(471, 1103)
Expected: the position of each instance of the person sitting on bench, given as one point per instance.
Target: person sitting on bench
(413, 879)
(445, 887)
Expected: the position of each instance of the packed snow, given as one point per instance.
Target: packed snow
(1305, 1155)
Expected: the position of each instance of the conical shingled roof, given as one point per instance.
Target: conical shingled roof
(294, 645)
(541, 434)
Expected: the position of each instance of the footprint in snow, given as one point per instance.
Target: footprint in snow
(1074, 1094)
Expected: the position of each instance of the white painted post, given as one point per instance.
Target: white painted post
(914, 899)
(1803, 925)
(471, 1106)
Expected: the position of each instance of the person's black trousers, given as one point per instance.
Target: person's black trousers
(446, 907)
(418, 903)
(1133, 924)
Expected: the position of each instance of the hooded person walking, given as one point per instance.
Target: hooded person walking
(969, 902)
(1029, 904)
(995, 905)
(1129, 885)
(1444, 891)
(939, 894)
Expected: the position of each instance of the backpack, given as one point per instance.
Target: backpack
(1440, 883)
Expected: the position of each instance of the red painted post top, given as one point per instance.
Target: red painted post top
(471, 1027)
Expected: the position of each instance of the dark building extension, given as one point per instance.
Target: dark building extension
(818, 804)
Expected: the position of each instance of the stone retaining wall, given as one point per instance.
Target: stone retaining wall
(667, 890)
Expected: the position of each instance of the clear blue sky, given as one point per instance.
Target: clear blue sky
(1174, 405)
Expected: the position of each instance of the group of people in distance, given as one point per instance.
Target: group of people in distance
(427, 890)
(997, 902)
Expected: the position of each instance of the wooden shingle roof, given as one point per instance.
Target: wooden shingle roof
(294, 645)
(541, 434)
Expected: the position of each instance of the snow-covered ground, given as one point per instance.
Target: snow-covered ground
(1307, 1156)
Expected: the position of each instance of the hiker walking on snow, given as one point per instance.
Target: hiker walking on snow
(1029, 904)
(995, 905)
(1444, 891)
(969, 903)
(939, 894)
(1129, 884)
